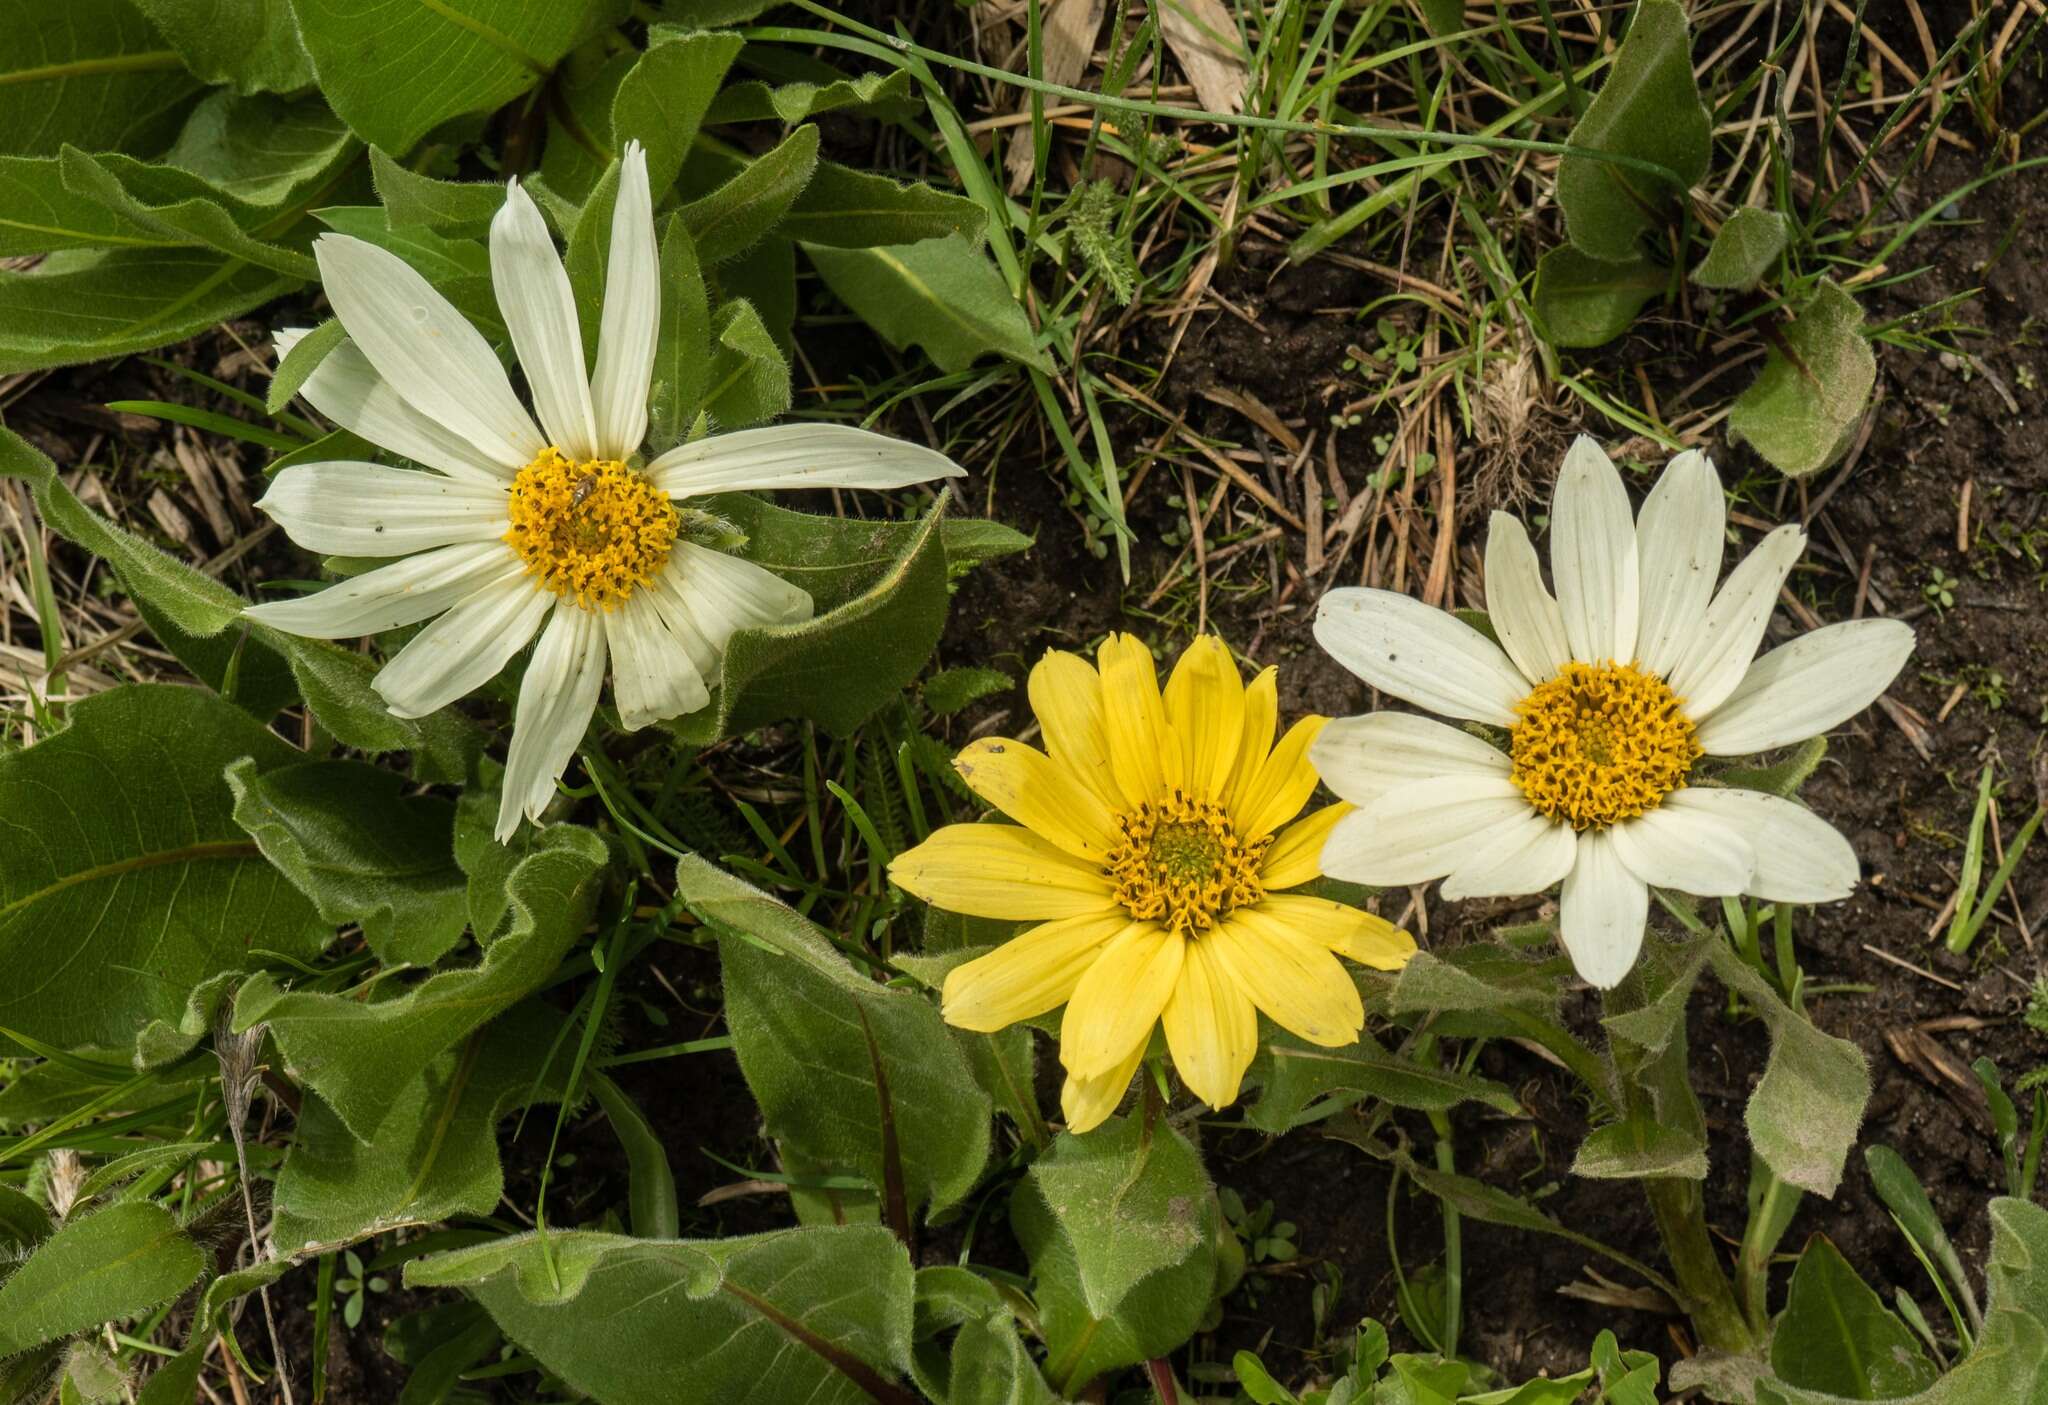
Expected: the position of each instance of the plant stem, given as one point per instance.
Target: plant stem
(1680, 1211)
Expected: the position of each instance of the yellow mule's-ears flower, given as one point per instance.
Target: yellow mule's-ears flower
(1152, 846)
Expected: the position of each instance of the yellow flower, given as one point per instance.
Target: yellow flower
(1149, 847)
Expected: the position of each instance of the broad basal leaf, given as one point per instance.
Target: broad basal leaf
(183, 209)
(88, 305)
(335, 682)
(104, 1267)
(1583, 301)
(269, 152)
(1802, 410)
(661, 100)
(1744, 249)
(1837, 1336)
(396, 69)
(728, 220)
(941, 294)
(814, 1315)
(852, 209)
(355, 1053)
(447, 207)
(94, 73)
(124, 880)
(362, 850)
(853, 1076)
(880, 592)
(434, 1155)
(39, 213)
(252, 45)
(1649, 108)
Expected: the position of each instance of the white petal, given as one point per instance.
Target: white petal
(1800, 858)
(540, 311)
(1715, 659)
(556, 700)
(1525, 617)
(367, 509)
(404, 592)
(1362, 758)
(1524, 857)
(346, 388)
(1816, 682)
(464, 649)
(1593, 556)
(1422, 655)
(285, 338)
(666, 595)
(1687, 851)
(632, 315)
(1421, 831)
(797, 456)
(426, 350)
(725, 594)
(653, 676)
(1602, 912)
(1678, 543)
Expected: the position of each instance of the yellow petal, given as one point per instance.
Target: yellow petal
(1143, 750)
(1040, 794)
(1351, 933)
(1292, 978)
(1000, 870)
(1119, 998)
(1211, 1029)
(1261, 715)
(1086, 1103)
(1297, 853)
(1205, 705)
(1031, 973)
(1066, 695)
(1282, 786)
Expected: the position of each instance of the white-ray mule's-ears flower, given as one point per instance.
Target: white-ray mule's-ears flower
(511, 530)
(1610, 692)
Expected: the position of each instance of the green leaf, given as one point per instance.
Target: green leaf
(261, 680)
(682, 344)
(1649, 108)
(1478, 976)
(1146, 1246)
(729, 219)
(884, 96)
(880, 591)
(1744, 249)
(1298, 1073)
(661, 100)
(141, 885)
(1130, 1200)
(850, 209)
(396, 69)
(38, 213)
(748, 379)
(652, 1182)
(362, 850)
(820, 1315)
(856, 1077)
(95, 74)
(1803, 1116)
(951, 690)
(1583, 301)
(970, 541)
(301, 361)
(250, 44)
(268, 152)
(334, 681)
(1801, 412)
(434, 1154)
(88, 305)
(1906, 1199)
(1639, 1146)
(114, 1264)
(941, 294)
(22, 1222)
(1837, 1336)
(765, 276)
(179, 206)
(446, 207)
(354, 1053)
(488, 862)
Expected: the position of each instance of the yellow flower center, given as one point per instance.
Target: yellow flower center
(1182, 865)
(1601, 743)
(592, 530)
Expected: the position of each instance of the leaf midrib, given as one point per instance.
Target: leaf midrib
(191, 853)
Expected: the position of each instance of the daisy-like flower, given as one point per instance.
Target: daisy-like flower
(510, 529)
(1150, 847)
(1609, 693)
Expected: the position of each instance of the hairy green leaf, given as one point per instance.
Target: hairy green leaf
(251, 44)
(104, 1267)
(661, 100)
(91, 305)
(1837, 1336)
(1802, 410)
(1744, 249)
(180, 207)
(820, 1315)
(1583, 301)
(93, 73)
(850, 209)
(682, 344)
(885, 96)
(747, 381)
(1298, 1073)
(941, 294)
(731, 218)
(446, 207)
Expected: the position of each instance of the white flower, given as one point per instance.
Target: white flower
(515, 530)
(1610, 692)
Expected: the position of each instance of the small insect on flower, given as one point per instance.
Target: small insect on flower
(1608, 695)
(585, 486)
(1156, 835)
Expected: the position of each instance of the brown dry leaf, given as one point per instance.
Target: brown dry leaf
(1203, 37)
(1067, 33)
